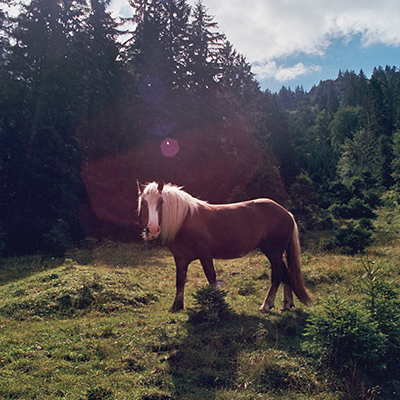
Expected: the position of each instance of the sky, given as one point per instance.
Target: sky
(300, 42)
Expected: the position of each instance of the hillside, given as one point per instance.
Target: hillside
(99, 328)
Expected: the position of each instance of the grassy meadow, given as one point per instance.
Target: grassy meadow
(99, 328)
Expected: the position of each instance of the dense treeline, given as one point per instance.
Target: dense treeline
(345, 128)
(345, 133)
(88, 105)
(83, 98)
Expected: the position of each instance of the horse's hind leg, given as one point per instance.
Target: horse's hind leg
(276, 278)
(269, 302)
(288, 302)
(278, 275)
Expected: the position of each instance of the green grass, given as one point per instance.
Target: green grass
(99, 328)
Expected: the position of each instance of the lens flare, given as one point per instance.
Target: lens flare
(170, 147)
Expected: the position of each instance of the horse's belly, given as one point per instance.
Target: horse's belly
(232, 249)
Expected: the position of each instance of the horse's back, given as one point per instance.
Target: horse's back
(255, 215)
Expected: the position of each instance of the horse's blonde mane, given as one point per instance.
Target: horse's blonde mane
(176, 206)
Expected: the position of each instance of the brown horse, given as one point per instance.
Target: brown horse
(193, 229)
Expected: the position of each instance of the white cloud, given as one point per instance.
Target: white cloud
(291, 73)
(270, 29)
(270, 70)
(266, 31)
(121, 8)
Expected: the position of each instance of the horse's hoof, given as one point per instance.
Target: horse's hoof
(284, 309)
(174, 309)
(265, 310)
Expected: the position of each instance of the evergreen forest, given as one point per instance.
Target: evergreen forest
(90, 102)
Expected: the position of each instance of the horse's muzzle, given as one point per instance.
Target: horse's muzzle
(152, 232)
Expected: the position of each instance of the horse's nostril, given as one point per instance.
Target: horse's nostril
(152, 231)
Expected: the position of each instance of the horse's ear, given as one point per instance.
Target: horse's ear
(160, 185)
(140, 187)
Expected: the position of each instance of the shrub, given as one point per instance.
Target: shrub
(57, 240)
(359, 336)
(210, 306)
(354, 237)
(344, 337)
(354, 209)
(381, 301)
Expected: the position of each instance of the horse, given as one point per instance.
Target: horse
(193, 229)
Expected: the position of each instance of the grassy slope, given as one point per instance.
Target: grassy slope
(102, 330)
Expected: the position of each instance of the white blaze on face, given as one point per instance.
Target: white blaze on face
(153, 229)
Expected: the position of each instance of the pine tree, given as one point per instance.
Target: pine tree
(380, 124)
(205, 48)
(396, 159)
(159, 43)
(56, 74)
(345, 123)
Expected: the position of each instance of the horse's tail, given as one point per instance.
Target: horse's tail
(293, 259)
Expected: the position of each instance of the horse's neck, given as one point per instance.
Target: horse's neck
(175, 209)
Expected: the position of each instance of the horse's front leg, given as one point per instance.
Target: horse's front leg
(181, 272)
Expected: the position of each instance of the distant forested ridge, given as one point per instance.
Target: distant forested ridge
(89, 103)
(346, 137)
(347, 127)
